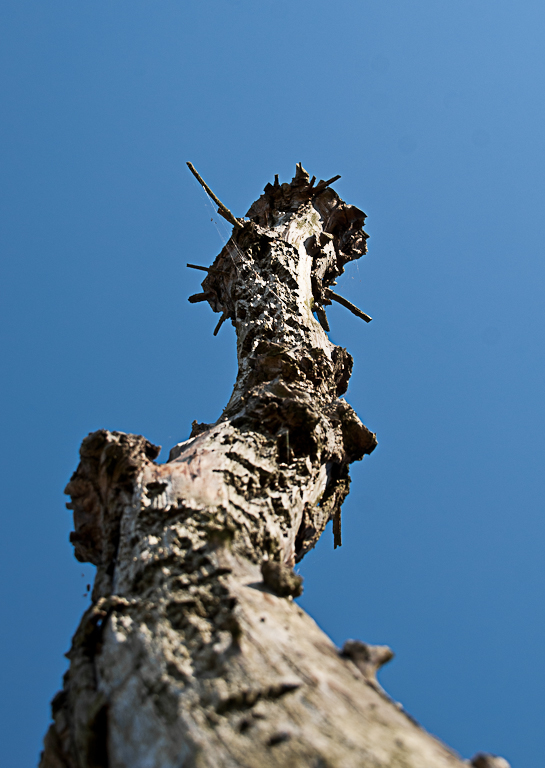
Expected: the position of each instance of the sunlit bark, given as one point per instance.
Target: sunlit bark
(193, 652)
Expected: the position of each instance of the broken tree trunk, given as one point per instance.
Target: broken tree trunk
(193, 652)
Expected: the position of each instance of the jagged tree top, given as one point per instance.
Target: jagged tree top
(340, 239)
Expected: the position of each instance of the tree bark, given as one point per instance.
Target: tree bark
(193, 652)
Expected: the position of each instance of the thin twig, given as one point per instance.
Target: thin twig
(222, 209)
(322, 317)
(329, 294)
(337, 538)
(196, 266)
(222, 319)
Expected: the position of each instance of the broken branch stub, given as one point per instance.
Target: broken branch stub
(193, 653)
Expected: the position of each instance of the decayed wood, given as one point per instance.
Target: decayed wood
(193, 652)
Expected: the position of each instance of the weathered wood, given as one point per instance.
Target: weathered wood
(193, 653)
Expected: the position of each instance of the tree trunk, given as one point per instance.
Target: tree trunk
(193, 652)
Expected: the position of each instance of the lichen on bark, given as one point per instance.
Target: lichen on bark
(193, 652)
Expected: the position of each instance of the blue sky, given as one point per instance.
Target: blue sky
(433, 113)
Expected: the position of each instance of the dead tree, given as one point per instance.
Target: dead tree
(193, 652)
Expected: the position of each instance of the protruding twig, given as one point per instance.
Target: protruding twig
(321, 315)
(212, 269)
(222, 209)
(329, 294)
(199, 297)
(323, 184)
(222, 319)
(337, 538)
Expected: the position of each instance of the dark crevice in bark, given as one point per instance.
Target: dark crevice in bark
(97, 755)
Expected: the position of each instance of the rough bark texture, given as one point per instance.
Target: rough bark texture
(193, 652)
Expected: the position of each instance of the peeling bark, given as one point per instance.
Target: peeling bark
(193, 652)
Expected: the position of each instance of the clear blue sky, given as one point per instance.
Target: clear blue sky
(433, 112)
